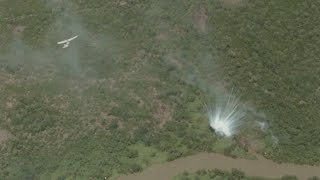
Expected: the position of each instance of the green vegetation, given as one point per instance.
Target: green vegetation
(314, 178)
(225, 175)
(216, 175)
(270, 51)
(131, 90)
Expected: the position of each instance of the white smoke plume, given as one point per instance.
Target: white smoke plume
(226, 116)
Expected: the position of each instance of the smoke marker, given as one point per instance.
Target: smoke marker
(226, 116)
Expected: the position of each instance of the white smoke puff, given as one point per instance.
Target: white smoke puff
(262, 125)
(275, 140)
(226, 117)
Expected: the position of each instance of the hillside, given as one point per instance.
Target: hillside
(131, 90)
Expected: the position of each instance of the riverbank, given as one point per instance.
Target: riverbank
(260, 167)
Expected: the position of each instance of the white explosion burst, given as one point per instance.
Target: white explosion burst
(226, 117)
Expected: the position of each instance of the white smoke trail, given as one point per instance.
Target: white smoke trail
(262, 125)
(227, 116)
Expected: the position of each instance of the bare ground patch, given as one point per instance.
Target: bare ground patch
(164, 114)
(232, 3)
(254, 146)
(162, 36)
(200, 18)
(18, 30)
(163, 32)
(4, 136)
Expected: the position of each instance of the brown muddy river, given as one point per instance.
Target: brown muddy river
(260, 167)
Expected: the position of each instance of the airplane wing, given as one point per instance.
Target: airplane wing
(72, 38)
(67, 40)
(62, 42)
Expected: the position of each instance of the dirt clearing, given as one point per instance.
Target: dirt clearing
(200, 18)
(4, 136)
(232, 3)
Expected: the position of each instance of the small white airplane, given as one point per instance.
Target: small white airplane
(66, 42)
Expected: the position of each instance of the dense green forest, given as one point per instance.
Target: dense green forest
(131, 90)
